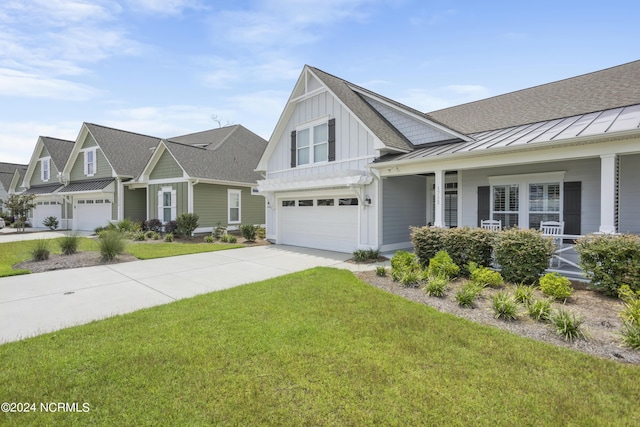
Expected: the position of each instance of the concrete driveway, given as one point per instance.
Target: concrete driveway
(34, 304)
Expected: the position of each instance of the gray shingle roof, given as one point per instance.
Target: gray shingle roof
(7, 171)
(208, 138)
(127, 152)
(59, 150)
(389, 135)
(601, 90)
(88, 185)
(232, 159)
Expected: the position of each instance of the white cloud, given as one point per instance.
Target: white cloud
(18, 139)
(165, 7)
(18, 84)
(431, 100)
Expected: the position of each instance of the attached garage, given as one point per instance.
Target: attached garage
(329, 223)
(92, 213)
(45, 209)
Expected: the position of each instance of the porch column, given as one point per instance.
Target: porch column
(438, 220)
(607, 193)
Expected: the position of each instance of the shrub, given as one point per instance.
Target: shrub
(540, 310)
(523, 294)
(219, 230)
(168, 237)
(401, 262)
(231, 238)
(153, 224)
(427, 242)
(523, 254)
(364, 255)
(442, 265)
(139, 236)
(556, 286)
(128, 226)
(209, 239)
(436, 286)
(567, 324)
(171, 227)
(483, 276)
(249, 232)
(504, 306)
(410, 278)
(381, 271)
(111, 244)
(466, 296)
(262, 233)
(611, 261)
(631, 299)
(69, 243)
(109, 226)
(51, 222)
(149, 234)
(155, 235)
(187, 223)
(631, 335)
(40, 250)
(466, 245)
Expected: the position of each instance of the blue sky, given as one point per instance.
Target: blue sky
(170, 67)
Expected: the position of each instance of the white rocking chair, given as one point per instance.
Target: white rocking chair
(491, 224)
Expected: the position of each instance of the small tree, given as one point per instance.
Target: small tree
(19, 205)
(187, 223)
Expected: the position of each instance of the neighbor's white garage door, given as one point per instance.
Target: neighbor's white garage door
(45, 209)
(329, 223)
(92, 213)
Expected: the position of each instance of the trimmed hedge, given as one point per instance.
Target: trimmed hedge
(523, 255)
(611, 261)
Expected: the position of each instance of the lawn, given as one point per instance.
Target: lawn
(318, 347)
(12, 253)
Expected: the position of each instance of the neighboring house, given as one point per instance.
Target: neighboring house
(8, 172)
(43, 179)
(347, 168)
(208, 173)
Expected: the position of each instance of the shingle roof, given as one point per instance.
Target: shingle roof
(7, 171)
(208, 138)
(232, 159)
(389, 135)
(601, 90)
(59, 150)
(88, 185)
(127, 152)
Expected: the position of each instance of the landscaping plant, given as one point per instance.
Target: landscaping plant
(523, 294)
(40, 250)
(436, 286)
(51, 222)
(630, 316)
(187, 223)
(442, 265)
(556, 286)
(523, 255)
(111, 244)
(153, 224)
(567, 324)
(249, 232)
(209, 239)
(466, 296)
(504, 306)
(484, 276)
(403, 262)
(381, 271)
(168, 237)
(539, 310)
(69, 243)
(611, 261)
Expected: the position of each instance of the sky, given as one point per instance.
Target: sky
(171, 67)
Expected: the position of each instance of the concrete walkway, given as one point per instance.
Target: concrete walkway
(34, 304)
(11, 235)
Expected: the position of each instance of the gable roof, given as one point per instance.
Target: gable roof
(231, 154)
(598, 91)
(127, 152)
(59, 150)
(7, 171)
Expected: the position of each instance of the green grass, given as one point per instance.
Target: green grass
(318, 347)
(12, 253)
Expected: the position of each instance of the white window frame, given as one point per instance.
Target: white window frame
(94, 163)
(45, 161)
(523, 182)
(234, 193)
(311, 146)
(161, 205)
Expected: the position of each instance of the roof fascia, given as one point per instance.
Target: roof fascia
(423, 119)
(196, 180)
(161, 148)
(35, 156)
(77, 148)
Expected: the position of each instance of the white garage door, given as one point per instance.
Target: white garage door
(45, 209)
(92, 213)
(329, 223)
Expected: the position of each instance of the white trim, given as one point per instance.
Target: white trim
(311, 165)
(167, 181)
(308, 95)
(85, 152)
(539, 178)
(239, 194)
(607, 193)
(42, 169)
(311, 123)
(162, 207)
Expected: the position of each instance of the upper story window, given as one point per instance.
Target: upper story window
(313, 144)
(90, 162)
(45, 171)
